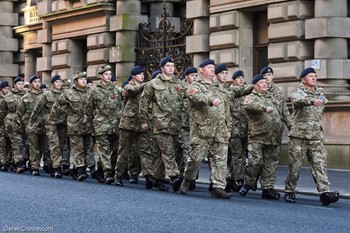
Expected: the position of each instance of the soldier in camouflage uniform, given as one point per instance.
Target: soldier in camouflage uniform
(103, 111)
(130, 131)
(34, 129)
(5, 156)
(265, 131)
(209, 121)
(306, 138)
(56, 133)
(73, 103)
(13, 126)
(164, 95)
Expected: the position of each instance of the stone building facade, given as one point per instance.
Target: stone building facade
(49, 37)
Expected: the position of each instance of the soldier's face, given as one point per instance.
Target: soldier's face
(222, 76)
(269, 78)
(57, 84)
(36, 84)
(191, 78)
(239, 81)
(80, 82)
(261, 86)
(139, 78)
(208, 71)
(19, 86)
(310, 80)
(106, 76)
(5, 90)
(168, 69)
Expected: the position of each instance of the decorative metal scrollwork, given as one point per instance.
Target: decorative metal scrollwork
(164, 41)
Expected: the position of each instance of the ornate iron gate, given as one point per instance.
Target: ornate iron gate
(164, 41)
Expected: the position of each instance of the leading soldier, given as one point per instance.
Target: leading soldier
(306, 138)
(5, 156)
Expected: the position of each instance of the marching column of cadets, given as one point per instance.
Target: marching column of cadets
(167, 126)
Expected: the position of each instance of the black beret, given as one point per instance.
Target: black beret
(307, 71)
(114, 78)
(126, 82)
(4, 84)
(257, 78)
(88, 80)
(79, 75)
(219, 68)
(206, 62)
(18, 79)
(266, 69)
(155, 73)
(190, 70)
(55, 78)
(43, 86)
(237, 74)
(34, 77)
(129, 78)
(103, 69)
(166, 60)
(137, 70)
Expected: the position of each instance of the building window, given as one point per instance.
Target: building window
(261, 40)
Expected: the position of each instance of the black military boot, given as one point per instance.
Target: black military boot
(58, 172)
(73, 173)
(220, 193)
(289, 197)
(329, 197)
(193, 185)
(65, 170)
(118, 180)
(244, 190)
(133, 179)
(4, 168)
(176, 182)
(81, 173)
(185, 186)
(231, 186)
(240, 184)
(210, 188)
(159, 184)
(98, 175)
(271, 194)
(35, 172)
(109, 179)
(149, 181)
(20, 167)
(255, 186)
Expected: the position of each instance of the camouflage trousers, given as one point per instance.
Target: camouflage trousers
(316, 154)
(166, 158)
(184, 140)
(82, 149)
(17, 144)
(217, 158)
(263, 160)
(5, 148)
(57, 140)
(38, 147)
(108, 147)
(237, 166)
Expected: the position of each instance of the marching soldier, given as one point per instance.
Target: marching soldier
(5, 155)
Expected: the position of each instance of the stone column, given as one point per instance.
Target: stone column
(30, 65)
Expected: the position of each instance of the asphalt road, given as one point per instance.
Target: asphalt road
(65, 205)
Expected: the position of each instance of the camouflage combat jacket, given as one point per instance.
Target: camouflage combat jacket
(130, 118)
(8, 108)
(208, 123)
(44, 105)
(239, 117)
(185, 113)
(278, 99)
(265, 128)
(25, 109)
(307, 118)
(2, 111)
(165, 98)
(104, 109)
(73, 103)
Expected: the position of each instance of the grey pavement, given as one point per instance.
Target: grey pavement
(339, 180)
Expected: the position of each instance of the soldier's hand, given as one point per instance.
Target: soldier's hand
(216, 102)
(318, 102)
(269, 109)
(144, 126)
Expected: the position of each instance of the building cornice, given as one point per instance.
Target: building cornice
(239, 4)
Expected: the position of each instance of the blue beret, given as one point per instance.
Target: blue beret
(18, 79)
(137, 70)
(257, 78)
(4, 84)
(237, 74)
(206, 62)
(190, 70)
(43, 86)
(114, 78)
(266, 69)
(129, 78)
(126, 82)
(307, 71)
(55, 78)
(34, 77)
(88, 80)
(155, 73)
(166, 60)
(219, 68)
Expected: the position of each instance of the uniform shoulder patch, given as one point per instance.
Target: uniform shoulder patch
(247, 101)
(192, 91)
